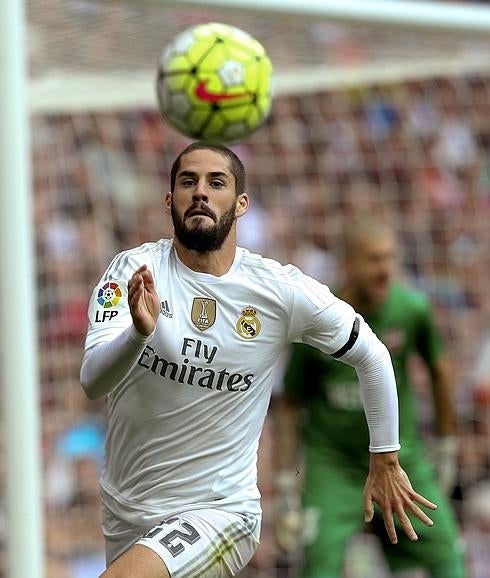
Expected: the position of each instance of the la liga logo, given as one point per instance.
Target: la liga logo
(109, 295)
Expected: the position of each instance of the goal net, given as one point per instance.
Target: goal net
(390, 118)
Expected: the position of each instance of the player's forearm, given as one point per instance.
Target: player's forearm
(372, 362)
(442, 391)
(105, 365)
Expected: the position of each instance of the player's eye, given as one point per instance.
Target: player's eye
(187, 182)
(217, 184)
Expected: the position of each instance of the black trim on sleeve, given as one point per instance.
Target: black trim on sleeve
(354, 334)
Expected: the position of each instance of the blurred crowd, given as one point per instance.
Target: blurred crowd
(416, 153)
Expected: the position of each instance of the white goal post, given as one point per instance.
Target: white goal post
(18, 335)
(422, 14)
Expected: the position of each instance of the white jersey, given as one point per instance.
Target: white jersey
(184, 422)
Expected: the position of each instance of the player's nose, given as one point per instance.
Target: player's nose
(201, 192)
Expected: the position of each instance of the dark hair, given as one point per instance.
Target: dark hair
(236, 164)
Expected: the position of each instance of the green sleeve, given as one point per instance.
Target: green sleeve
(298, 368)
(428, 338)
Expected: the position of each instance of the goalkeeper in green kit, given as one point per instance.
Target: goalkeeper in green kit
(322, 400)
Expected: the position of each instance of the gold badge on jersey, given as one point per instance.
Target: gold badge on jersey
(248, 325)
(203, 313)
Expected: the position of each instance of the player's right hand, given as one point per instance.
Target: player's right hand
(144, 303)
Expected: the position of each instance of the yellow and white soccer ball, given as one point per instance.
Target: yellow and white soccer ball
(215, 83)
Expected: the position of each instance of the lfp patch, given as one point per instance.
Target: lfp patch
(109, 295)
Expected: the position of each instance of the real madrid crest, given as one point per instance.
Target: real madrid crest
(248, 325)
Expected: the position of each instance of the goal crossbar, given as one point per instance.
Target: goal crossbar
(440, 15)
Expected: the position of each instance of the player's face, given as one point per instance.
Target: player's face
(204, 205)
(370, 269)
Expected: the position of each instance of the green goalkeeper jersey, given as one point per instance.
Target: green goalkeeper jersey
(328, 390)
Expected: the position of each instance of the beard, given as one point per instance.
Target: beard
(199, 238)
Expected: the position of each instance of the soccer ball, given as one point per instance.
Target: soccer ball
(215, 83)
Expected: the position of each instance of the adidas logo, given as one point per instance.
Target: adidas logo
(165, 309)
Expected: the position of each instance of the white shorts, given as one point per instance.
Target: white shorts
(207, 543)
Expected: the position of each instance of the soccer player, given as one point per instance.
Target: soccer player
(184, 336)
(323, 399)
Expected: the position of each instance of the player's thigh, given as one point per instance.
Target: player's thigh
(438, 549)
(137, 562)
(119, 536)
(333, 505)
(332, 496)
(439, 553)
(206, 543)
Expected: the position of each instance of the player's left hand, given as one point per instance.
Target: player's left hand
(388, 485)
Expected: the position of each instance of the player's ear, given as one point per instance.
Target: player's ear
(241, 205)
(168, 203)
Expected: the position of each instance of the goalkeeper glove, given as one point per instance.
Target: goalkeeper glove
(444, 453)
(288, 520)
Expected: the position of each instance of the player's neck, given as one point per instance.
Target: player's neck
(215, 263)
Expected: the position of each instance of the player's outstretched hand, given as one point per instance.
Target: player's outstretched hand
(144, 303)
(388, 485)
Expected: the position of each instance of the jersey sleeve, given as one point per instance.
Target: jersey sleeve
(319, 318)
(428, 338)
(331, 325)
(108, 310)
